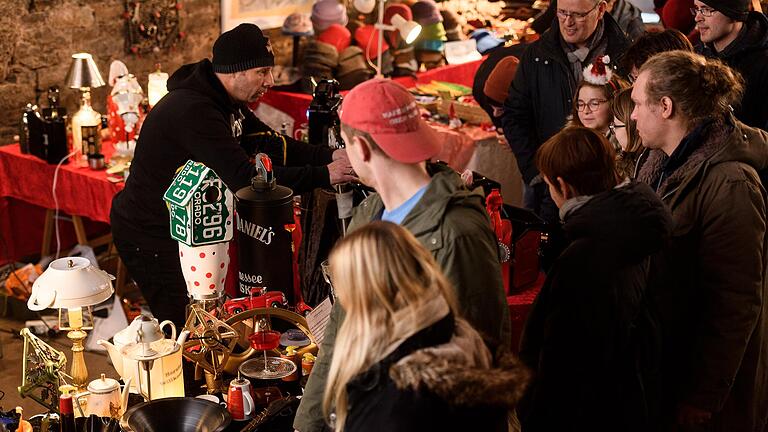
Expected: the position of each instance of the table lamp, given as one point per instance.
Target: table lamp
(409, 31)
(84, 75)
(72, 284)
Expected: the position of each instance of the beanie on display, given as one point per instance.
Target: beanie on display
(734, 9)
(352, 68)
(498, 81)
(425, 12)
(298, 24)
(486, 41)
(242, 48)
(452, 25)
(336, 35)
(327, 12)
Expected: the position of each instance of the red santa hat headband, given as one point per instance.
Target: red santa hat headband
(597, 73)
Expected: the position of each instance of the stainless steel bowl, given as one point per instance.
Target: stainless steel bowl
(176, 415)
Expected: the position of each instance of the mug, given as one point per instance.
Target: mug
(239, 400)
(205, 269)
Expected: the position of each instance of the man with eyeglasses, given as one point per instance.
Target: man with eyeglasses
(738, 37)
(541, 95)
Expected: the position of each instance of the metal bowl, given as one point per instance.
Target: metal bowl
(176, 415)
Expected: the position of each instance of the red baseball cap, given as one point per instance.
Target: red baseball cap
(389, 113)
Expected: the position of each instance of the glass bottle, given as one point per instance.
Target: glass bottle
(85, 130)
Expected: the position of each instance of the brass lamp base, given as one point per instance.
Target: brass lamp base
(79, 371)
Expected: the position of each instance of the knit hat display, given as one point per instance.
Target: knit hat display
(336, 35)
(320, 55)
(298, 24)
(242, 48)
(432, 38)
(425, 12)
(734, 9)
(327, 12)
(367, 38)
(485, 40)
(452, 25)
(352, 68)
(498, 81)
(596, 73)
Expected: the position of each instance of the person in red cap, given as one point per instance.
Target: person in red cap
(389, 144)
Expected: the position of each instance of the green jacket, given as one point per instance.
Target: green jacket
(451, 222)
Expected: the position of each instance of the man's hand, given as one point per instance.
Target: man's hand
(340, 170)
(688, 415)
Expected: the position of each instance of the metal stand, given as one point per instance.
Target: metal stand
(79, 371)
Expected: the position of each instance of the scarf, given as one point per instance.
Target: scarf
(578, 57)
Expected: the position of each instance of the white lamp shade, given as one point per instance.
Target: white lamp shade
(70, 283)
(409, 30)
(364, 6)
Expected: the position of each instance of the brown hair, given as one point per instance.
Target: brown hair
(652, 43)
(622, 107)
(582, 157)
(699, 87)
(609, 89)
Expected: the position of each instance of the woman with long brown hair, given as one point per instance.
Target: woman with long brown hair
(404, 359)
(624, 129)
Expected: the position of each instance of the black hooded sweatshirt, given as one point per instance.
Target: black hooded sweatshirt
(590, 339)
(197, 120)
(748, 55)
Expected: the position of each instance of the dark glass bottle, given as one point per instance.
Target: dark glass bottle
(66, 414)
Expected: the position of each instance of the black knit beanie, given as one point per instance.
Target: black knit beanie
(242, 48)
(734, 9)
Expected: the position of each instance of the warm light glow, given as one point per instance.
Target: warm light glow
(156, 87)
(365, 6)
(408, 30)
(75, 316)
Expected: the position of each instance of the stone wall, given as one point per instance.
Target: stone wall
(38, 37)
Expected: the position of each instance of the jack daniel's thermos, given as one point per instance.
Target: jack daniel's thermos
(264, 225)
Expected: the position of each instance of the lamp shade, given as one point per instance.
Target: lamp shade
(409, 30)
(70, 283)
(83, 72)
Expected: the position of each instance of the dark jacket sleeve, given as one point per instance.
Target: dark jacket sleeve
(298, 165)
(518, 119)
(209, 140)
(309, 416)
(732, 263)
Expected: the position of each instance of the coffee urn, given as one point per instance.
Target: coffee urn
(264, 225)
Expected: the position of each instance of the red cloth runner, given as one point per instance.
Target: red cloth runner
(80, 191)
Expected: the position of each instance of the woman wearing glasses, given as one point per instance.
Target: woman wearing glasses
(591, 103)
(624, 129)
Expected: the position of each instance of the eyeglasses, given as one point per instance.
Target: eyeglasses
(613, 126)
(577, 16)
(593, 104)
(705, 12)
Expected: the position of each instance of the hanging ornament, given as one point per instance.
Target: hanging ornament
(151, 25)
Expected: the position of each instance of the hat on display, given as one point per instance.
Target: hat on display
(596, 73)
(367, 38)
(734, 9)
(452, 25)
(497, 84)
(242, 48)
(389, 113)
(336, 35)
(298, 24)
(327, 12)
(353, 68)
(425, 12)
(320, 54)
(432, 38)
(486, 41)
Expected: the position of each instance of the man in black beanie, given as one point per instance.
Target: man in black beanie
(204, 118)
(738, 37)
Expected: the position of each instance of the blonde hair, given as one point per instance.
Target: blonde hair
(383, 277)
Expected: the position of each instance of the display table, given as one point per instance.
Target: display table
(26, 192)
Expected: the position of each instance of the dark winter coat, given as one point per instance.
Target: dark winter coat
(748, 54)
(451, 222)
(713, 303)
(197, 120)
(591, 340)
(541, 95)
(436, 381)
(625, 13)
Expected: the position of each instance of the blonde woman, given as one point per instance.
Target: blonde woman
(404, 360)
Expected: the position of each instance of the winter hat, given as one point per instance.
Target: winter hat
(320, 54)
(485, 40)
(352, 68)
(451, 24)
(432, 38)
(242, 48)
(388, 112)
(498, 81)
(298, 24)
(734, 9)
(596, 73)
(336, 35)
(327, 12)
(425, 12)
(367, 38)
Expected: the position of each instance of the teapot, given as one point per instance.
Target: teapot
(105, 398)
(166, 371)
